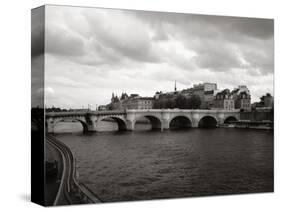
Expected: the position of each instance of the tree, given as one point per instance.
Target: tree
(109, 107)
(170, 103)
(193, 102)
(181, 102)
(156, 104)
(159, 104)
(163, 104)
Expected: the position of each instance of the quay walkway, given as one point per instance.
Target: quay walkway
(70, 191)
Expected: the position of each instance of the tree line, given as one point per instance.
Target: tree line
(180, 102)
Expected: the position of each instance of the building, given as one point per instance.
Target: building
(134, 101)
(206, 93)
(102, 107)
(223, 100)
(267, 100)
(244, 101)
(157, 95)
(115, 103)
(242, 98)
(124, 96)
(139, 103)
(209, 97)
(199, 88)
(187, 92)
(168, 95)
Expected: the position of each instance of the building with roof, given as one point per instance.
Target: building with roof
(267, 100)
(138, 103)
(224, 100)
(134, 101)
(242, 98)
(206, 93)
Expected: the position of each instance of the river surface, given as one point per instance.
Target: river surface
(139, 165)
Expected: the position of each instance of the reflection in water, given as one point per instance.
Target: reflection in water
(147, 165)
(103, 126)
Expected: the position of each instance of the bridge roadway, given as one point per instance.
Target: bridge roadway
(159, 118)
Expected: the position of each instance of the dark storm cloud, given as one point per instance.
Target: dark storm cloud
(235, 28)
(142, 51)
(260, 60)
(202, 24)
(63, 42)
(218, 41)
(37, 57)
(37, 32)
(99, 55)
(113, 36)
(105, 39)
(230, 44)
(216, 56)
(37, 44)
(126, 37)
(255, 28)
(217, 60)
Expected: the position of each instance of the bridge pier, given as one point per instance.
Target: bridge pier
(165, 124)
(89, 128)
(130, 125)
(194, 124)
(50, 126)
(220, 119)
(195, 120)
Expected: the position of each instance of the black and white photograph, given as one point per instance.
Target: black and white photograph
(142, 105)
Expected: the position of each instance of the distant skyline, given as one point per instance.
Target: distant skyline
(92, 52)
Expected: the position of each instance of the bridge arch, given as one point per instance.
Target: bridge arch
(180, 122)
(60, 120)
(208, 121)
(120, 122)
(230, 119)
(155, 122)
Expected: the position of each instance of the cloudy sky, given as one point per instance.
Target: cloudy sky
(91, 53)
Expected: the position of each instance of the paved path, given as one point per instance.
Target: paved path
(69, 190)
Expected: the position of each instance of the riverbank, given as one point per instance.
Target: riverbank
(247, 124)
(53, 182)
(69, 191)
(245, 127)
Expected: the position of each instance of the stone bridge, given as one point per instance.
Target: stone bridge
(159, 118)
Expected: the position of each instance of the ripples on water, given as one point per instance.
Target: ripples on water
(151, 164)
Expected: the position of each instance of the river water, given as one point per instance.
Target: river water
(139, 165)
